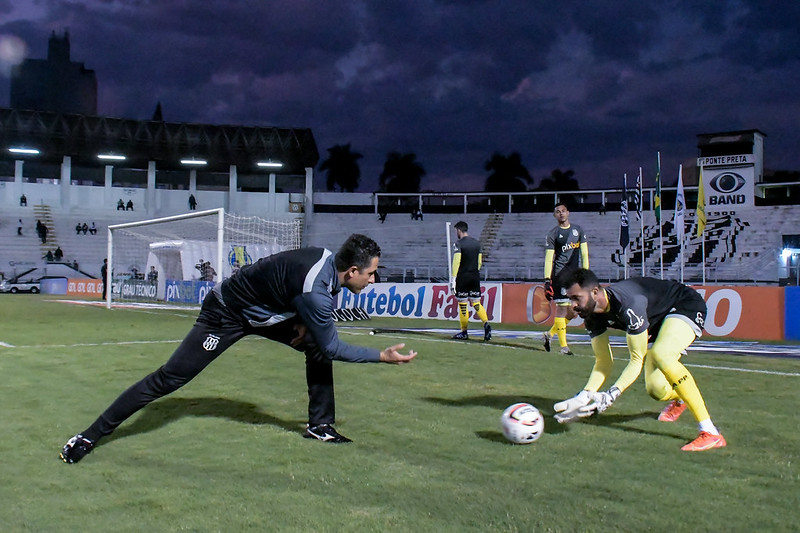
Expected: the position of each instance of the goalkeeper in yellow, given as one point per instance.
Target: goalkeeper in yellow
(565, 245)
(664, 312)
(466, 281)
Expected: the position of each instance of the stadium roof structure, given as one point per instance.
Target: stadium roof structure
(83, 137)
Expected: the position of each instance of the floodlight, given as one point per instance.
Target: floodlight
(111, 157)
(23, 150)
(194, 162)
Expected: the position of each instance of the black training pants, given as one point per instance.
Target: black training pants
(215, 331)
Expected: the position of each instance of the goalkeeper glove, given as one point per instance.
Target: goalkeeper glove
(548, 290)
(572, 408)
(603, 400)
(453, 285)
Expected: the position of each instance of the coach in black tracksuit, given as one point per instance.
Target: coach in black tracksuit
(286, 297)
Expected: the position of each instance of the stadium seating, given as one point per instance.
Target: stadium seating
(743, 248)
(22, 253)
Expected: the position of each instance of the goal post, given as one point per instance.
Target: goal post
(178, 259)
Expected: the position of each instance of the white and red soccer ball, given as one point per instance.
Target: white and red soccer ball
(522, 423)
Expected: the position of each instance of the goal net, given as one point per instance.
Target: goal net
(178, 259)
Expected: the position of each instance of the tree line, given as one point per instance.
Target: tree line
(402, 173)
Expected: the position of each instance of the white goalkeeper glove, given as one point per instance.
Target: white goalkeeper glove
(452, 285)
(573, 408)
(603, 400)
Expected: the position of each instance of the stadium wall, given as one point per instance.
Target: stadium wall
(738, 312)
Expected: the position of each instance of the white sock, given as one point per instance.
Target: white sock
(708, 427)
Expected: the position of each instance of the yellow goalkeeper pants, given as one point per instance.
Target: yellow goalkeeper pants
(665, 376)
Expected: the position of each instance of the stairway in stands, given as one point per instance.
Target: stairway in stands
(42, 212)
(489, 234)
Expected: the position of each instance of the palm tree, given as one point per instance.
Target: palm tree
(401, 173)
(342, 167)
(560, 180)
(509, 174)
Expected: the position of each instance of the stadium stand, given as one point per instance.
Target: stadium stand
(22, 253)
(743, 247)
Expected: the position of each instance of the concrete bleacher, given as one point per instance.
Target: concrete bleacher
(410, 249)
(18, 254)
(744, 247)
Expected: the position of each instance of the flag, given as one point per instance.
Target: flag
(680, 207)
(624, 238)
(637, 196)
(701, 205)
(657, 200)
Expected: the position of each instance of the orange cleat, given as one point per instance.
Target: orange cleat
(672, 412)
(705, 441)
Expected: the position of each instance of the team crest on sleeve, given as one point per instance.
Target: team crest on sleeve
(634, 320)
(211, 342)
(699, 320)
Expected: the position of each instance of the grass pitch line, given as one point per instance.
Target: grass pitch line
(89, 344)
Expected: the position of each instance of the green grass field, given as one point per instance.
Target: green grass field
(225, 452)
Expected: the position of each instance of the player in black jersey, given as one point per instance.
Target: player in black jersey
(664, 312)
(565, 250)
(466, 281)
(286, 297)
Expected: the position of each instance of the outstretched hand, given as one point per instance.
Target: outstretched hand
(392, 355)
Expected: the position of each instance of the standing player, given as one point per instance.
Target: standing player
(561, 258)
(666, 312)
(466, 283)
(286, 297)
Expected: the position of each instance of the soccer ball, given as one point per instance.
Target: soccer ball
(522, 423)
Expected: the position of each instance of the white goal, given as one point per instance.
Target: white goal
(178, 259)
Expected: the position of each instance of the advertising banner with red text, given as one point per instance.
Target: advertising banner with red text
(419, 300)
(744, 312)
(85, 287)
(736, 312)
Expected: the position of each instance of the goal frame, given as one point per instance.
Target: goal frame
(220, 211)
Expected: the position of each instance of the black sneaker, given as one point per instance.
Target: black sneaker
(546, 339)
(461, 335)
(487, 332)
(325, 433)
(76, 449)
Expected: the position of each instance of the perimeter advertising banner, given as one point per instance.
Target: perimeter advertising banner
(84, 287)
(736, 312)
(187, 292)
(729, 182)
(419, 300)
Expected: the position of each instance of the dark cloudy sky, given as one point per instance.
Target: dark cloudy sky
(594, 86)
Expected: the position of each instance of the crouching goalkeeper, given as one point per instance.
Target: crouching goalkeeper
(664, 312)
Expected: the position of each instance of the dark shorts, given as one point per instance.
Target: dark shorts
(694, 311)
(468, 286)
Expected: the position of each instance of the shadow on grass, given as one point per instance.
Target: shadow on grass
(168, 410)
(545, 406)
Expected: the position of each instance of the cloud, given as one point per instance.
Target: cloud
(593, 86)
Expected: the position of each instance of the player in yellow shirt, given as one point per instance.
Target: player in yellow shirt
(665, 312)
(566, 250)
